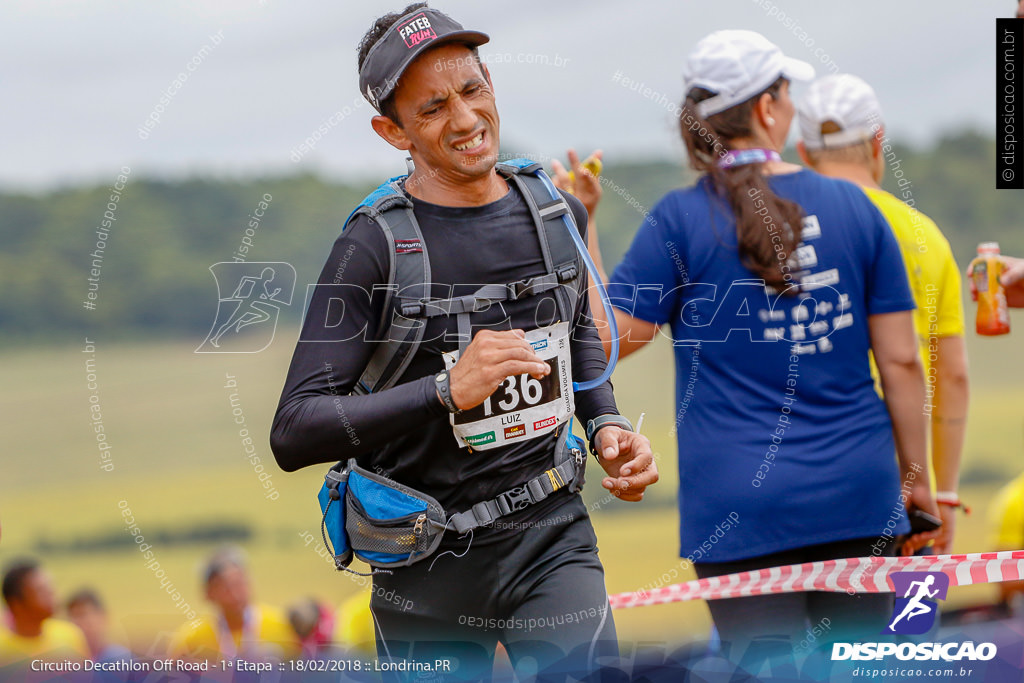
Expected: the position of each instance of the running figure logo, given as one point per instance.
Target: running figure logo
(247, 316)
(915, 611)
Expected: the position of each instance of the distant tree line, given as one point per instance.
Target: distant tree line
(150, 278)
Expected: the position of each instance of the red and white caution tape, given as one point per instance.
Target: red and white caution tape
(850, 575)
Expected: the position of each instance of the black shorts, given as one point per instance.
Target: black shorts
(539, 591)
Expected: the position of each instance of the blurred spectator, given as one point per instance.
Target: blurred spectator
(87, 612)
(313, 624)
(355, 630)
(33, 632)
(1006, 517)
(843, 136)
(240, 629)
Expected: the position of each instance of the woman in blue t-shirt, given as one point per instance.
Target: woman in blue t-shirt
(775, 283)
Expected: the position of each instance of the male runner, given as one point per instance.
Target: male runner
(532, 580)
(843, 136)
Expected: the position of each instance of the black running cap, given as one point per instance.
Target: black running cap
(392, 54)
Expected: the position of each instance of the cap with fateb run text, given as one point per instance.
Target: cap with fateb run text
(845, 100)
(408, 38)
(736, 65)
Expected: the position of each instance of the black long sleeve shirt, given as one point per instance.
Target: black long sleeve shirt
(404, 432)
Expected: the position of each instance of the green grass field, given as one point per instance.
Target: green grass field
(178, 461)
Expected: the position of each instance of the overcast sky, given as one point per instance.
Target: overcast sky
(79, 79)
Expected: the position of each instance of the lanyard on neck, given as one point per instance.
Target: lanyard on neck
(226, 640)
(754, 155)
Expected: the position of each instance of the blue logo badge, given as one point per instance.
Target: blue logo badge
(916, 593)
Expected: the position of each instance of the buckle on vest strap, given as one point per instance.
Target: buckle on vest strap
(567, 273)
(513, 500)
(516, 289)
(413, 309)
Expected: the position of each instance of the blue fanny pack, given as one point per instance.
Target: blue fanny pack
(376, 519)
(386, 524)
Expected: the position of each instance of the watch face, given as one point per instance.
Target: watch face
(440, 377)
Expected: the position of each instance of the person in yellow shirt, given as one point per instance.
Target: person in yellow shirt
(33, 633)
(241, 629)
(355, 630)
(843, 136)
(1006, 519)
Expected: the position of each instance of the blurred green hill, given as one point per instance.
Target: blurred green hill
(154, 280)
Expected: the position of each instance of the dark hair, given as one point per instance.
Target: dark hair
(14, 578)
(85, 596)
(222, 560)
(370, 38)
(756, 234)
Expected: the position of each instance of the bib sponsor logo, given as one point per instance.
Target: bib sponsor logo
(416, 30)
(538, 345)
(481, 439)
(541, 424)
(513, 432)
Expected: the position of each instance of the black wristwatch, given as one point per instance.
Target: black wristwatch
(442, 381)
(593, 426)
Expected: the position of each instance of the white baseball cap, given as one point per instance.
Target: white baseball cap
(736, 65)
(849, 102)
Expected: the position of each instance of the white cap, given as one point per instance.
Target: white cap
(844, 99)
(736, 65)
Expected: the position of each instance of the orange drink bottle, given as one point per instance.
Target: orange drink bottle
(993, 313)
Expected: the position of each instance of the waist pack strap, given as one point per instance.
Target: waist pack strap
(515, 499)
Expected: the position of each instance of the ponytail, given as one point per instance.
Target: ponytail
(767, 226)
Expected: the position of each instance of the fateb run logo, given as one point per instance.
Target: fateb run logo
(416, 30)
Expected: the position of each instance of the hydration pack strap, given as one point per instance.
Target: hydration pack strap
(483, 298)
(392, 212)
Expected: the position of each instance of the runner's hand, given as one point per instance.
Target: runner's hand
(628, 460)
(489, 359)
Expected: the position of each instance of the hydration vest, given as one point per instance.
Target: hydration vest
(408, 293)
(387, 524)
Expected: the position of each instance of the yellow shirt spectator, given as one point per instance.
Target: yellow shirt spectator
(1006, 516)
(934, 283)
(354, 628)
(266, 634)
(933, 273)
(59, 640)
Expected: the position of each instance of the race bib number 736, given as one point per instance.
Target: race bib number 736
(522, 407)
